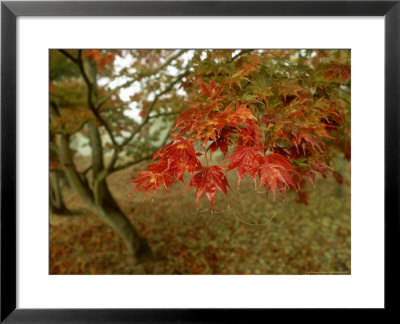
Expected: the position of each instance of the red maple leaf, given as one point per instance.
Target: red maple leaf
(180, 155)
(274, 174)
(152, 179)
(246, 160)
(250, 134)
(334, 71)
(221, 142)
(302, 198)
(207, 181)
(212, 91)
(96, 55)
(289, 88)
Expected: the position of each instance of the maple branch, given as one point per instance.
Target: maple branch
(148, 157)
(147, 117)
(56, 171)
(64, 52)
(144, 74)
(92, 107)
(113, 161)
(89, 85)
(56, 111)
(166, 114)
(103, 100)
(53, 147)
(106, 109)
(95, 108)
(233, 58)
(128, 164)
(118, 147)
(78, 128)
(283, 59)
(137, 76)
(164, 65)
(79, 62)
(240, 54)
(70, 169)
(84, 172)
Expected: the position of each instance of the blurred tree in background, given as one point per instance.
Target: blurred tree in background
(280, 116)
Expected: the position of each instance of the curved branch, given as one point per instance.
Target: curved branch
(92, 107)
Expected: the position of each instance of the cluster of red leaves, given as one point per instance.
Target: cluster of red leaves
(174, 159)
(214, 125)
(102, 59)
(337, 71)
(299, 131)
(274, 170)
(207, 180)
(216, 122)
(281, 148)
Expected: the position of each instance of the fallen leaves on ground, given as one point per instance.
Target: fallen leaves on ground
(298, 239)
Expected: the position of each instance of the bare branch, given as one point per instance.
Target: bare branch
(136, 76)
(73, 59)
(148, 157)
(89, 84)
(91, 104)
(87, 170)
(128, 164)
(164, 65)
(165, 114)
(147, 117)
(103, 100)
(92, 107)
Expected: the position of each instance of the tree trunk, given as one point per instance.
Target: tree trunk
(138, 249)
(57, 205)
(112, 215)
(101, 203)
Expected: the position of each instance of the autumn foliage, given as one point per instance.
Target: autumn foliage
(207, 122)
(278, 116)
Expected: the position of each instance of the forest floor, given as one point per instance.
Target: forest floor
(251, 236)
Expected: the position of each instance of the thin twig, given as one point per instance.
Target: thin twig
(137, 76)
(147, 117)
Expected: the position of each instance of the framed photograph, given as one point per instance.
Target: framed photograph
(197, 161)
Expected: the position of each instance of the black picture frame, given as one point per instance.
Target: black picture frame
(9, 13)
